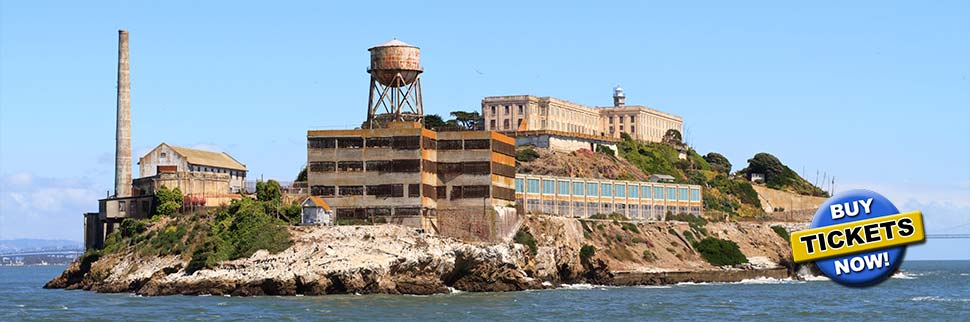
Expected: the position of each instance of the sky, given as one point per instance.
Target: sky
(873, 93)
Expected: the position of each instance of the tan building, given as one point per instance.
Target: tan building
(168, 158)
(405, 174)
(584, 197)
(521, 113)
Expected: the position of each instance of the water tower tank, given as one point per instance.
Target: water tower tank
(393, 58)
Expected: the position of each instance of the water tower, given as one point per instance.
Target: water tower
(395, 84)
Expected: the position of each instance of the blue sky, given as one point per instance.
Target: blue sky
(874, 93)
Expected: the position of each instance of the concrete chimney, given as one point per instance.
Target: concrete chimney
(123, 130)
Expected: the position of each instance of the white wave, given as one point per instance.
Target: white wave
(453, 290)
(964, 274)
(546, 283)
(768, 280)
(577, 286)
(905, 276)
(653, 286)
(814, 278)
(938, 299)
(21, 305)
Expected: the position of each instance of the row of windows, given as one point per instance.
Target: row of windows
(561, 187)
(199, 168)
(413, 190)
(508, 109)
(586, 209)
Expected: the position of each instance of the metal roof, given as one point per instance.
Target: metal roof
(208, 158)
(317, 201)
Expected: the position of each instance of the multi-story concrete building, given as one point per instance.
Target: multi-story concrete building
(409, 175)
(526, 113)
(583, 197)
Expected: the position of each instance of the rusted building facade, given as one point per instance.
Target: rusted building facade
(405, 174)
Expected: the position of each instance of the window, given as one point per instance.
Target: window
(533, 185)
(121, 206)
(493, 110)
(621, 190)
(672, 193)
(563, 188)
(548, 187)
(611, 120)
(633, 192)
(521, 109)
(506, 110)
(519, 123)
(658, 193)
(607, 190)
(621, 128)
(592, 189)
(645, 192)
(695, 194)
(633, 128)
(578, 188)
(621, 119)
(682, 194)
(505, 124)
(164, 155)
(632, 119)
(611, 129)
(518, 184)
(492, 123)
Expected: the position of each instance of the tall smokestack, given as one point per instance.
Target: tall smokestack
(123, 130)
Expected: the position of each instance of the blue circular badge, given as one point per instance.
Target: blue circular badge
(858, 269)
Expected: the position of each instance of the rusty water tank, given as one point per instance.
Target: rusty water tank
(392, 58)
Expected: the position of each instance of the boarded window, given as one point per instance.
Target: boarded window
(429, 166)
(449, 168)
(350, 166)
(378, 165)
(386, 190)
(476, 168)
(350, 143)
(465, 192)
(476, 144)
(378, 142)
(429, 191)
(414, 190)
(323, 191)
(351, 213)
(321, 143)
(406, 142)
(378, 212)
(503, 170)
(503, 193)
(455, 192)
(503, 148)
(323, 166)
(351, 190)
(428, 143)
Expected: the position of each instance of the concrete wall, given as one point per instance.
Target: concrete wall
(561, 143)
(484, 224)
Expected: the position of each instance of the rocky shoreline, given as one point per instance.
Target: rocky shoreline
(396, 260)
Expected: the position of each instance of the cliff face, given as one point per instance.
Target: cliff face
(397, 260)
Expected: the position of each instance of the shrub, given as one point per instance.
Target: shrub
(605, 150)
(587, 252)
(268, 191)
(631, 227)
(526, 155)
(525, 238)
(131, 227)
(239, 231)
(619, 238)
(647, 255)
(689, 237)
(168, 201)
(781, 231)
(718, 162)
(720, 252)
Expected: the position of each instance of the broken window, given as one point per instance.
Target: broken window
(322, 166)
(414, 190)
(406, 142)
(503, 170)
(449, 144)
(429, 191)
(323, 191)
(378, 165)
(321, 143)
(351, 213)
(475, 168)
(474, 191)
(407, 166)
(350, 166)
(351, 190)
(429, 143)
(386, 190)
(440, 192)
(407, 211)
(429, 166)
(350, 143)
(449, 168)
(503, 193)
(379, 142)
(476, 144)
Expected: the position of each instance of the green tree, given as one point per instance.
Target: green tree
(468, 120)
(268, 191)
(434, 122)
(718, 162)
(673, 137)
(301, 177)
(168, 201)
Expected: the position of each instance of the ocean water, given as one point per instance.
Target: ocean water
(931, 290)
